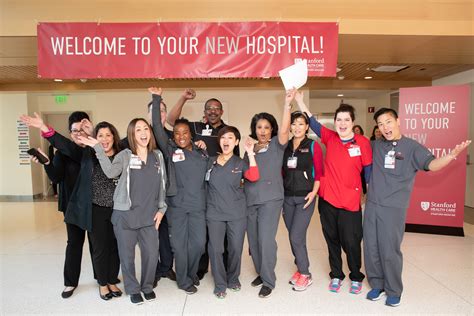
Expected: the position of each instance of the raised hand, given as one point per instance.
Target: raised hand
(290, 95)
(155, 90)
(189, 94)
(87, 127)
(200, 144)
(299, 97)
(249, 144)
(459, 148)
(88, 141)
(33, 121)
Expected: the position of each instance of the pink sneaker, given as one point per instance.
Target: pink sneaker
(356, 287)
(335, 285)
(295, 278)
(303, 282)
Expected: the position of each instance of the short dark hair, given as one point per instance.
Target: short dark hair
(228, 129)
(298, 114)
(382, 111)
(183, 121)
(343, 107)
(113, 130)
(77, 117)
(210, 100)
(360, 128)
(263, 116)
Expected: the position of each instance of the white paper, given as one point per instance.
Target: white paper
(295, 76)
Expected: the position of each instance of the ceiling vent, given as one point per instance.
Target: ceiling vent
(389, 68)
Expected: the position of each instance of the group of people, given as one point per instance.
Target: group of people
(187, 194)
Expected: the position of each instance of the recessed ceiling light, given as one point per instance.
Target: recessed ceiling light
(340, 77)
(340, 95)
(367, 77)
(389, 68)
(58, 80)
(338, 69)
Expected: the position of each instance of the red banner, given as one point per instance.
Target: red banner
(184, 49)
(437, 117)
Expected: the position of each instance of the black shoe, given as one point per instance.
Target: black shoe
(257, 282)
(170, 275)
(265, 292)
(155, 282)
(196, 281)
(191, 290)
(150, 296)
(68, 294)
(115, 293)
(107, 296)
(136, 299)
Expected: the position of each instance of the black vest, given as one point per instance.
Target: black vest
(298, 181)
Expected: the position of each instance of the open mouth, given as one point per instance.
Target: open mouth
(225, 147)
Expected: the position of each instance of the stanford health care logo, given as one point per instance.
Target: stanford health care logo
(425, 206)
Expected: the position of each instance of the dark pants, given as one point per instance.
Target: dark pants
(226, 275)
(297, 220)
(262, 226)
(342, 228)
(383, 234)
(165, 262)
(188, 239)
(204, 261)
(105, 253)
(72, 262)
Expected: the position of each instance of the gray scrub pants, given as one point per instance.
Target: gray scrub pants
(383, 233)
(297, 220)
(262, 226)
(147, 239)
(235, 230)
(188, 240)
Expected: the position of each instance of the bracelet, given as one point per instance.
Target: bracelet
(49, 133)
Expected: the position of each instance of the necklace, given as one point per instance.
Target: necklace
(222, 159)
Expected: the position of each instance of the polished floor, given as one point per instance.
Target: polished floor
(438, 275)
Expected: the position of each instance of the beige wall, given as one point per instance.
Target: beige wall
(466, 77)
(15, 179)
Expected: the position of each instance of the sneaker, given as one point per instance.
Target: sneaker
(220, 295)
(257, 282)
(294, 278)
(196, 281)
(136, 299)
(235, 288)
(356, 287)
(149, 296)
(170, 275)
(191, 290)
(335, 285)
(392, 301)
(303, 282)
(375, 294)
(265, 292)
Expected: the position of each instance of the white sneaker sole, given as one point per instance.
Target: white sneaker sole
(300, 289)
(382, 294)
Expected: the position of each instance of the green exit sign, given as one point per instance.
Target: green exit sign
(60, 99)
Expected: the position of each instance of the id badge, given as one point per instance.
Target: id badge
(354, 151)
(178, 155)
(208, 175)
(390, 160)
(135, 162)
(207, 131)
(292, 162)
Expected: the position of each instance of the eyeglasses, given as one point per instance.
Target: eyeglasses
(213, 108)
(77, 131)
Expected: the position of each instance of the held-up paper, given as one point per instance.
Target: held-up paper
(295, 76)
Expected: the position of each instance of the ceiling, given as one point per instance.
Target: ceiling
(427, 58)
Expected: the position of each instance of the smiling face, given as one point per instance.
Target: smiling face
(344, 124)
(142, 134)
(389, 126)
(228, 141)
(299, 127)
(76, 130)
(263, 129)
(106, 139)
(182, 136)
(213, 112)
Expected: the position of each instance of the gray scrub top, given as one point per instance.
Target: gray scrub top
(225, 190)
(392, 187)
(270, 185)
(190, 174)
(144, 188)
